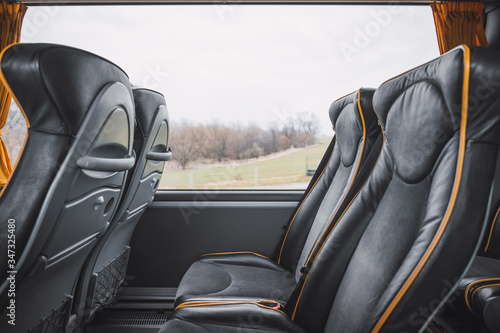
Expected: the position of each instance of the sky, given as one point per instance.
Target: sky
(246, 63)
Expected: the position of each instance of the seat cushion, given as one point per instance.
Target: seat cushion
(482, 268)
(182, 326)
(237, 318)
(236, 275)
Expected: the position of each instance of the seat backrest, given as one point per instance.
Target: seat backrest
(356, 131)
(98, 287)
(412, 230)
(69, 179)
(152, 150)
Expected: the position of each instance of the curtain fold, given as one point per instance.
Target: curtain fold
(459, 23)
(11, 18)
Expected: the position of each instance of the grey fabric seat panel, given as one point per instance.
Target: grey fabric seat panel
(416, 223)
(356, 131)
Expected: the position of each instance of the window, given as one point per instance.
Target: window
(248, 87)
(14, 132)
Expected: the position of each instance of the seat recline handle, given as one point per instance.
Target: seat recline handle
(106, 164)
(159, 156)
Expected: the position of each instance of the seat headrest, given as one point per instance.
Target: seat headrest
(146, 103)
(35, 72)
(453, 85)
(351, 117)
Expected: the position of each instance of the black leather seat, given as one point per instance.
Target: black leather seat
(478, 293)
(69, 180)
(105, 269)
(413, 227)
(250, 275)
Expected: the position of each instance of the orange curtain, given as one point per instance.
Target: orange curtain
(11, 17)
(459, 23)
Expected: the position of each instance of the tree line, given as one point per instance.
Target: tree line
(217, 141)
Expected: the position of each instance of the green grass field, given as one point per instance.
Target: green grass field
(286, 169)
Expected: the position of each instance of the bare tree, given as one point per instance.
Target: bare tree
(185, 142)
(284, 142)
(290, 129)
(309, 125)
(272, 138)
(217, 141)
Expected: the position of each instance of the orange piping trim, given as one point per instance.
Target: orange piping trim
(451, 204)
(469, 287)
(491, 231)
(475, 291)
(241, 252)
(217, 303)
